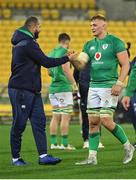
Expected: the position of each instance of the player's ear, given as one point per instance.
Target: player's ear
(104, 24)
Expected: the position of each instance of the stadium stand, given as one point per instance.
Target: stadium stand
(47, 4)
(6, 111)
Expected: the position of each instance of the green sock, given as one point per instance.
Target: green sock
(64, 140)
(119, 133)
(53, 139)
(94, 141)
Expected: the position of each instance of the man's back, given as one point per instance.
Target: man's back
(60, 82)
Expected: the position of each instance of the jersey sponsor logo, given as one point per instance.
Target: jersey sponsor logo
(92, 48)
(104, 46)
(98, 62)
(97, 56)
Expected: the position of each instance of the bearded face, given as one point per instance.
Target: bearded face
(36, 34)
(37, 30)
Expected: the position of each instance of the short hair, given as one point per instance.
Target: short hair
(63, 37)
(98, 16)
(31, 20)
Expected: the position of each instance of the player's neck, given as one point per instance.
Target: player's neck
(63, 45)
(102, 35)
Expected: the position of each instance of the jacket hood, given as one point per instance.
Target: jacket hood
(21, 34)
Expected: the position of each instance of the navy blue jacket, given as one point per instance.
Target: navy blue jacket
(27, 59)
(82, 77)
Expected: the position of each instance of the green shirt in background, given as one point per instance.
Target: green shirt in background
(131, 87)
(104, 61)
(60, 82)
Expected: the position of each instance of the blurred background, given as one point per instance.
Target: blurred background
(57, 16)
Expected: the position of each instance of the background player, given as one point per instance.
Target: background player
(60, 95)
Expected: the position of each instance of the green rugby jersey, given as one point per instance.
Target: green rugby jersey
(104, 62)
(60, 82)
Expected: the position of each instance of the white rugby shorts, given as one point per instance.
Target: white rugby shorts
(101, 98)
(62, 99)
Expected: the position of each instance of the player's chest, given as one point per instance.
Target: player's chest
(101, 50)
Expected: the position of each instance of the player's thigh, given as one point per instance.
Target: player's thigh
(93, 106)
(65, 99)
(107, 99)
(93, 100)
(53, 100)
(55, 107)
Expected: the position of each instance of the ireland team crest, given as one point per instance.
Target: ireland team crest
(97, 56)
(104, 46)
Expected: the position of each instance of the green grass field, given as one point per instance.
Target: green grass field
(109, 159)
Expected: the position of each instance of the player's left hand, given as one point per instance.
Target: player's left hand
(126, 102)
(116, 89)
(75, 95)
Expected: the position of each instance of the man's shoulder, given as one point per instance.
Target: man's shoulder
(58, 51)
(32, 43)
(89, 43)
(61, 50)
(113, 37)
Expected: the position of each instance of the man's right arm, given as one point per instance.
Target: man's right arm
(68, 73)
(80, 61)
(36, 54)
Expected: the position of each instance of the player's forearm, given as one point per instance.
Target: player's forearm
(69, 75)
(124, 72)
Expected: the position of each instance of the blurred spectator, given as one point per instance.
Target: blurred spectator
(132, 108)
(82, 79)
(128, 48)
(121, 114)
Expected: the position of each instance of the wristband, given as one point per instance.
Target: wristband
(120, 83)
(74, 87)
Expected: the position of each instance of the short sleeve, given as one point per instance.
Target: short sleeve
(62, 52)
(119, 45)
(85, 49)
(59, 53)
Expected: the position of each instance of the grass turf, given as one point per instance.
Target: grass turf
(109, 159)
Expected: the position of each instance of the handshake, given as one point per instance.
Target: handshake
(78, 60)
